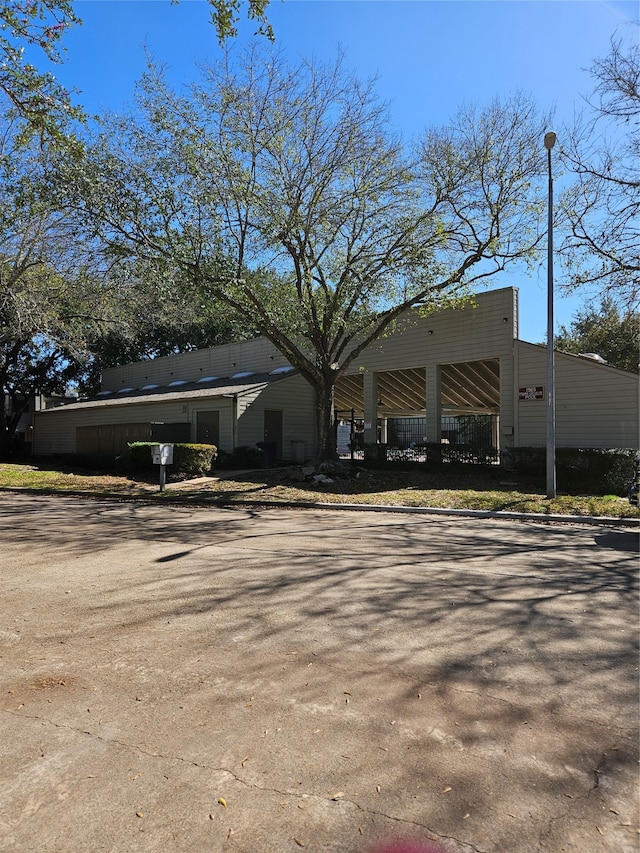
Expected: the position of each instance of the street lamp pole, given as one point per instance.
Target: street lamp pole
(549, 142)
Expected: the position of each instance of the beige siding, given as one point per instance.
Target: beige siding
(508, 401)
(483, 331)
(55, 430)
(466, 334)
(294, 397)
(596, 405)
(258, 355)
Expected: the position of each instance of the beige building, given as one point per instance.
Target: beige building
(430, 379)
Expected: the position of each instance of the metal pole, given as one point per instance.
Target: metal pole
(549, 142)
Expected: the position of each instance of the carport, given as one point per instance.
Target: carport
(466, 389)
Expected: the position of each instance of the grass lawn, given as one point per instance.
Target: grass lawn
(496, 490)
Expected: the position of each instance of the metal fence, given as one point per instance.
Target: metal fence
(464, 438)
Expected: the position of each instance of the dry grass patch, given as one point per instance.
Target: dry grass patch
(454, 489)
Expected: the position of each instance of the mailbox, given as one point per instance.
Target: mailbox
(162, 454)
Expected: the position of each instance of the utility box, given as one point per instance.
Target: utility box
(162, 454)
(298, 451)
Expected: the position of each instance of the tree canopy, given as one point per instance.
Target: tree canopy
(606, 330)
(66, 311)
(282, 192)
(225, 16)
(38, 26)
(36, 96)
(601, 206)
(48, 298)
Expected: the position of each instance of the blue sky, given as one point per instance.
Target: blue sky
(429, 56)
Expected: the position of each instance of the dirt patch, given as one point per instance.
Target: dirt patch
(51, 682)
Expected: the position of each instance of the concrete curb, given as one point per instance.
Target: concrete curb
(480, 513)
(173, 496)
(439, 511)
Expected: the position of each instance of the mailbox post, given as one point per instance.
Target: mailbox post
(162, 455)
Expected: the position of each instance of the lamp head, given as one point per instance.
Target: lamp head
(549, 140)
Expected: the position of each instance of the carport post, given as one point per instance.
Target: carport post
(433, 395)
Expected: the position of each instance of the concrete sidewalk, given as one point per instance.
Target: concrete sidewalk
(206, 679)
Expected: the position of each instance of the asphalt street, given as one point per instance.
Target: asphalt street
(194, 679)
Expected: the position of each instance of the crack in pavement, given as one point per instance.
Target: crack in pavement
(575, 799)
(300, 795)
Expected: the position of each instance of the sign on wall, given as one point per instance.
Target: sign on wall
(531, 392)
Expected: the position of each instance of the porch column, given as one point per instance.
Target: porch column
(434, 403)
(370, 407)
(508, 406)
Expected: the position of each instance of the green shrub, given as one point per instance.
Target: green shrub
(189, 460)
(242, 457)
(585, 470)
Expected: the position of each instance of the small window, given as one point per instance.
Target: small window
(242, 374)
(208, 379)
(104, 393)
(125, 390)
(177, 382)
(150, 387)
(287, 368)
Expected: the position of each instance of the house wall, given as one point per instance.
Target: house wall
(596, 405)
(55, 430)
(259, 356)
(486, 330)
(294, 397)
(241, 420)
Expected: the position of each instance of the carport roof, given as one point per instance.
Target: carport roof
(472, 386)
(207, 387)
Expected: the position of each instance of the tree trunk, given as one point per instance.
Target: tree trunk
(325, 421)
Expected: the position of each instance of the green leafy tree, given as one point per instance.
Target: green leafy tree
(225, 16)
(52, 296)
(66, 311)
(36, 96)
(606, 330)
(38, 26)
(161, 316)
(601, 250)
(296, 171)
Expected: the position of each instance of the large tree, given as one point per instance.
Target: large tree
(48, 300)
(160, 315)
(32, 28)
(296, 171)
(26, 28)
(602, 205)
(605, 329)
(66, 311)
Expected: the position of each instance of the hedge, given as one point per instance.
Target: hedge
(588, 470)
(240, 457)
(189, 460)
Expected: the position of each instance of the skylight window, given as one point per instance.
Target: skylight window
(242, 374)
(287, 368)
(150, 386)
(177, 382)
(104, 393)
(125, 390)
(208, 379)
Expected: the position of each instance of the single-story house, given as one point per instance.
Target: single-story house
(428, 380)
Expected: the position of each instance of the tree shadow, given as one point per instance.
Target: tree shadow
(493, 661)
